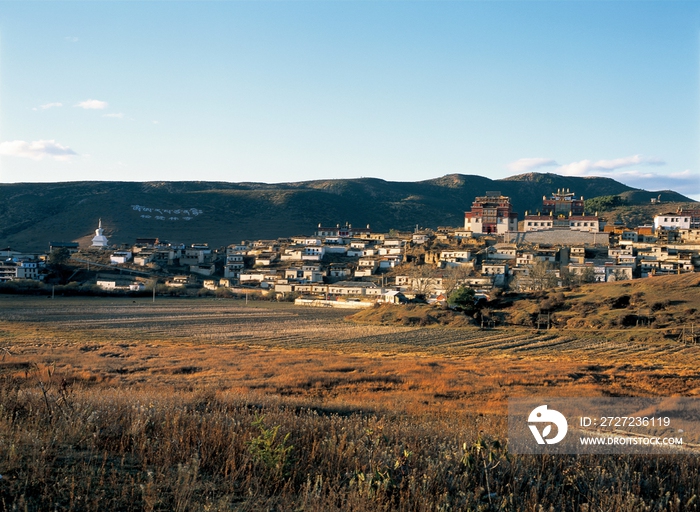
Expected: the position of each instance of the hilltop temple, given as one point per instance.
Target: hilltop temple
(491, 213)
(99, 240)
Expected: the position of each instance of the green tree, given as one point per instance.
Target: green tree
(58, 257)
(462, 297)
(58, 265)
(604, 203)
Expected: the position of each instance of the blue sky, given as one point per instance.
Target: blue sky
(280, 91)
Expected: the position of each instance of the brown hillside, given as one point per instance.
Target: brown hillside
(647, 308)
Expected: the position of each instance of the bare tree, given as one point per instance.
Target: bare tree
(521, 282)
(454, 277)
(542, 276)
(423, 278)
(588, 275)
(620, 275)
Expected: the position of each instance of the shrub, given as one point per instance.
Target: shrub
(618, 302)
(223, 293)
(637, 298)
(586, 308)
(521, 318)
(267, 449)
(553, 302)
(628, 320)
(604, 203)
(660, 305)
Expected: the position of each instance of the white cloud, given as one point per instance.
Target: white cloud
(528, 164)
(47, 106)
(576, 168)
(71, 39)
(36, 150)
(684, 182)
(628, 161)
(584, 167)
(118, 116)
(92, 104)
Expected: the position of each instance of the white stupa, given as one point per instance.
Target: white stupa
(99, 240)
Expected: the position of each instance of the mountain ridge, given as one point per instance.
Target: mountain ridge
(33, 214)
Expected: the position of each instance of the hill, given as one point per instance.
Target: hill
(662, 303)
(643, 309)
(32, 214)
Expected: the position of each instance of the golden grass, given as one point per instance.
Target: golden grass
(667, 302)
(154, 406)
(313, 354)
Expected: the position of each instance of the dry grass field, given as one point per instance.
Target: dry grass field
(203, 404)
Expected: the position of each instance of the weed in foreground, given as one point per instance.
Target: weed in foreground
(137, 449)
